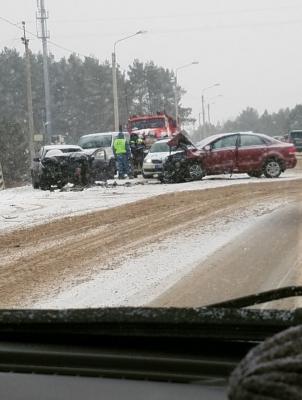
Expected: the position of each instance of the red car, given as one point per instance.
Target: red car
(241, 152)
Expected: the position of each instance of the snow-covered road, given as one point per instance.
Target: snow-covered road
(23, 206)
(132, 254)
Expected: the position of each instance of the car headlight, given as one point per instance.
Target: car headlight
(148, 160)
(100, 155)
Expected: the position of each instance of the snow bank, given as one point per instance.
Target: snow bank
(24, 206)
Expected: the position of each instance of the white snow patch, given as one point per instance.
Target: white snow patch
(22, 207)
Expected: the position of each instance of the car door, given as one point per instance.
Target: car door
(251, 153)
(222, 155)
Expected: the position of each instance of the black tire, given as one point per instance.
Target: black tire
(255, 174)
(272, 168)
(60, 185)
(45, 187)
(195, 171)
(171, 177)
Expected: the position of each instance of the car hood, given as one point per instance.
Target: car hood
(160, 155)
(179, 139)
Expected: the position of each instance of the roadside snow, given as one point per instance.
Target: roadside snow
(142, 277)
(24, 206)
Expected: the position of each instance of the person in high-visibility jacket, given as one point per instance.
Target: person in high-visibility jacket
(122, 154)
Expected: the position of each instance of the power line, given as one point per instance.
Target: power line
(17, 26)
(227, 27)
(176, 16)
(67, 49)
(35, 36)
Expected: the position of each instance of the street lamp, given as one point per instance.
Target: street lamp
(114, 78)
(209, 105)
(203, 108)
(175, 89)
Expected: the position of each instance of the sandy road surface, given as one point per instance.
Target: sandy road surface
(266, 256)
(43, 261)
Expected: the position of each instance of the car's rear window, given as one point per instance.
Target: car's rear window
(251, 140)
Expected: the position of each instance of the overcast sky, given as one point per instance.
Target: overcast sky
(251, 47)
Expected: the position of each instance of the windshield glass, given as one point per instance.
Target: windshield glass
(92, 142)
(296, 135)
(161, 147)
(136, 223)
(148, 124)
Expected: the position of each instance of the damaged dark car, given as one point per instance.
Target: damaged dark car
(58, 165)
(184, 165)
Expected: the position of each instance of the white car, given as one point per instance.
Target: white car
(104, 140)
(94, 141)
(153, 162)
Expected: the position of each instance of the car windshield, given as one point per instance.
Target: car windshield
(94, 141)
(138, 223)
(296, 135)
(161, 147)
(150, 123)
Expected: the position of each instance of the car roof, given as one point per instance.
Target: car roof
(62, 146)
(210, 139)
(101, 134)
(220, 135)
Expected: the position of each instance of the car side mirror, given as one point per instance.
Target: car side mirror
(36, 159)
(207, 147)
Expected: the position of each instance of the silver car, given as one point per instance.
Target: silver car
(153, 162)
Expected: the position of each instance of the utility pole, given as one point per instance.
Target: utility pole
(209, 119)
(2, 184)
(204, 130)
(176, 99)
(203, 117)
(42, 16)
(30, 117)
(115, 95)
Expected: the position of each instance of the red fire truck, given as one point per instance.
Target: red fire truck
(152, 127)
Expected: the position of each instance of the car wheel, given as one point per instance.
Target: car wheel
(255, 174)
(171, 177)
(35, 184)
(45, 187)
(272, 168)
(61, 184)
(195, 171)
